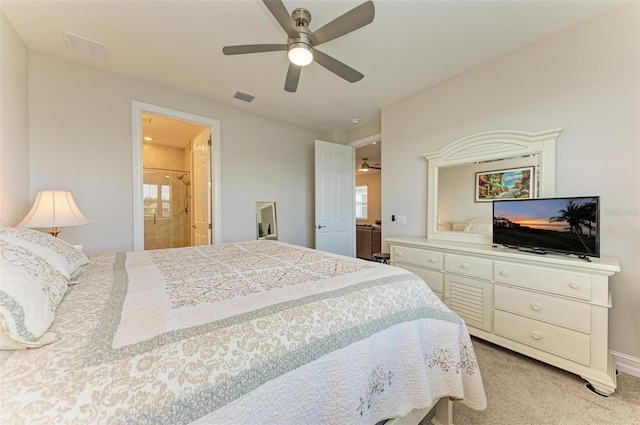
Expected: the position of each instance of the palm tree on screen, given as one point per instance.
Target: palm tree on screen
(578, 216)
(589, 212)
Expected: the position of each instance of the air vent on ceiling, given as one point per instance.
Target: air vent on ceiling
(85, 45)
(243, 96)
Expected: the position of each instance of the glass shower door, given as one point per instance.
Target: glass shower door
(167, 219)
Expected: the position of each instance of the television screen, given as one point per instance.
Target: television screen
(561, 225)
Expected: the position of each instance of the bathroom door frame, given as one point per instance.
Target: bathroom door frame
(139, 108)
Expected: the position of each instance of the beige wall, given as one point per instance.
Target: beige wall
(374, 202)
(80, 135)
(585, 80)
(14, 126)
(165, 157)
(346, 136)
(364, 131)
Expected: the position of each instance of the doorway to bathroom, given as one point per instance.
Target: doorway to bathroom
(176, 178)
(167, 150)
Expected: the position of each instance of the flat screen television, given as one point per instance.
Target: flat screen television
(555, 225)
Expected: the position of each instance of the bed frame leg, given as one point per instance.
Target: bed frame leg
(444, 412)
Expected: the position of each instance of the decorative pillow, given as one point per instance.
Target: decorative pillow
(61, 255)
(478, 228)
(30, 292)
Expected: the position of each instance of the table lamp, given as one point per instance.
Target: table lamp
(54, 208)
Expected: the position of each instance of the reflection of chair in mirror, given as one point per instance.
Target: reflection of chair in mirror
(266, 224)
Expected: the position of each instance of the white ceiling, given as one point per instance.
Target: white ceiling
(411, 45)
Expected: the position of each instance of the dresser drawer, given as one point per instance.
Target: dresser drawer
(468, 266)
(543, 307)
(553, 339)
(417, 257)
(575, 285)
(433, 278)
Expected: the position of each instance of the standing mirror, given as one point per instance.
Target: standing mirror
(266, 224)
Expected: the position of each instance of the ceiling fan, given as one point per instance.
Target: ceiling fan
(301, 42)
(366, 167)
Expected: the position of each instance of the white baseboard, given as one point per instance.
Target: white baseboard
(626, 363)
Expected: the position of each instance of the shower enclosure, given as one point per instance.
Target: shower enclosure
(167, 210)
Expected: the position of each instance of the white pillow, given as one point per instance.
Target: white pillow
(478, 228)
(61, 255)
(30, 291)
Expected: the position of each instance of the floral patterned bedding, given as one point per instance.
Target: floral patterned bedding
(243, 333)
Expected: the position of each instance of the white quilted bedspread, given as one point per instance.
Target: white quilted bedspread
(246, 333)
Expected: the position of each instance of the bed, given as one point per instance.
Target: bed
(238, 333)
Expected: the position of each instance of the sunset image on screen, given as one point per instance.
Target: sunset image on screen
(563, 224)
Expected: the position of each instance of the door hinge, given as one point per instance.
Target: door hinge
(209, 226)
(209, 141)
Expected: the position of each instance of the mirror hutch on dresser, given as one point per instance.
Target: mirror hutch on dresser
(553, 308)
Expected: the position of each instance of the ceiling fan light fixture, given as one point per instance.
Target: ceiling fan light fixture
(300, 54)
(364, 166)
(301, 42)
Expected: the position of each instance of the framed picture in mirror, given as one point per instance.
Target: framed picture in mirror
(515, 183)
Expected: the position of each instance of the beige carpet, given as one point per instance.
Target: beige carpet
(523, 391)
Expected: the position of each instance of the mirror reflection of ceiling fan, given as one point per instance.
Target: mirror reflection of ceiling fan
(301, 42)
(366, 167)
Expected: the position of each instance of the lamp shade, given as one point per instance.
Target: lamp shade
(54, 208)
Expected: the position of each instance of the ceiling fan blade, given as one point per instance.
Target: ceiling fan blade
(293, 76)
(350, 21)
(279, 12)
(253, 48)
(337, 67)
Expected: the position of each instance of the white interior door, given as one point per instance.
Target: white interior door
(335, 218)
(201, 182)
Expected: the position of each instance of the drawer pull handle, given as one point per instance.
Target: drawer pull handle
(446, 296)
(464, 266)
(504, 273)
(535, 306)
(399, 253)
(432, 260)
(574, 285)
(535, 335)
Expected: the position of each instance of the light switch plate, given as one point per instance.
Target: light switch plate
(402, 219)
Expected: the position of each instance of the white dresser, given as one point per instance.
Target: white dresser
(552, 308)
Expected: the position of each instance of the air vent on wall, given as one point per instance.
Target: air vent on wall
(243, 96)
(85, 45)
